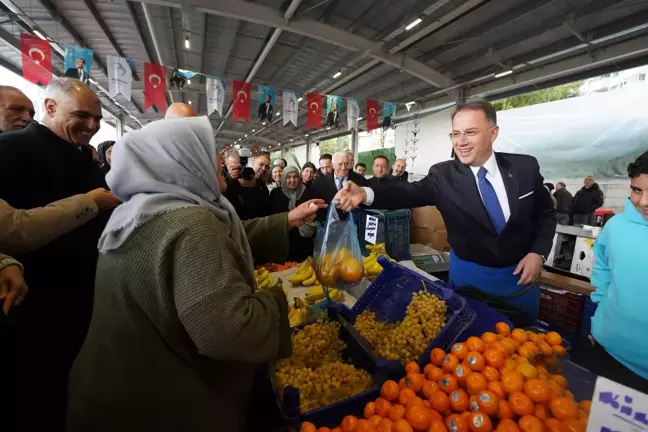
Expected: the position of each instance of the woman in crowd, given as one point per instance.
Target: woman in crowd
(178, 331)
(619, 348)
(104, 151)
(308, 173)
(285, 198)
(275, 178)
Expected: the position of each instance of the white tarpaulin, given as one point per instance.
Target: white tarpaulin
(598, 134)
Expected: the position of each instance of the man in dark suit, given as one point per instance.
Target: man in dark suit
(333, 117)
(266, 109)
(379, 168)
(326, 186)
(78, 72)
(500, 219)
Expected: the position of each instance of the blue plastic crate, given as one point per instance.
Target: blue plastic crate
(589, 309)
(393, 230)
(389, 295)
(356, 353)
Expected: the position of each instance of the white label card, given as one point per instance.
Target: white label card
(617, 408)
(371, 229)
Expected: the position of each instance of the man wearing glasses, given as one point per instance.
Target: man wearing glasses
(500, 218)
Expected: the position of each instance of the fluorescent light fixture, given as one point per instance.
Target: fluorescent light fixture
(187, 42)
(306, 135)
(278, 114)
(291, 140)
(189, 81)
(503, 74)
(39, 34)
(253, 130)
(263, 124)
(189, 101)
(413, 24)
(245, 135)
(337, 74)
(359, 118)
(328, 128)
(300, 99)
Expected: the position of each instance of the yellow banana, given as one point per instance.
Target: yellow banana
(264, 284)
(375, 271)
(301, 277)
(310, 281)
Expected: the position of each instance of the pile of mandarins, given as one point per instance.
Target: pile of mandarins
(499, 382)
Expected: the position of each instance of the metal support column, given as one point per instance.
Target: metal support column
(119, 126)
(354, 143)
(308, 151)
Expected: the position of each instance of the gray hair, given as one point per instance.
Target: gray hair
(58, 88)
(340, 154)
(232, 154)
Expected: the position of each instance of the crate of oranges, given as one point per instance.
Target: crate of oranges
(404, 315)
(489, 383)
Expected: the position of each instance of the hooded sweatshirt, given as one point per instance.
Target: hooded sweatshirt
(619, 277)
(588, 200)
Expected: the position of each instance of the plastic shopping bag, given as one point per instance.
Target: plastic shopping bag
(338, 258)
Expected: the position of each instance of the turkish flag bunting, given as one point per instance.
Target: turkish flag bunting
(36, 59)
(372, 114)
(241, 96)
(155, 86)
(314, 111)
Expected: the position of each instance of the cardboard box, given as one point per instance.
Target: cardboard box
(566, 283)
(583, 261)
(435, 239)
(427, 217)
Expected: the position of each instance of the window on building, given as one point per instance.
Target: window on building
(642, 77)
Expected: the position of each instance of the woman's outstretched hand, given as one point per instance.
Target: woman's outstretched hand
(305, 212)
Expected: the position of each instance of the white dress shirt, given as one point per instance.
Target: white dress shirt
(493, 176)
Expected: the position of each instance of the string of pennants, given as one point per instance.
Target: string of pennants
(37, 68)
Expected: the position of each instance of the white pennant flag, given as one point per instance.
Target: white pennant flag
(290, 107)
(353, 112)
(215, 95)
(120, 77)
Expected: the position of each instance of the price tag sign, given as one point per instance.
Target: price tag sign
(371, 229)
(617, 408)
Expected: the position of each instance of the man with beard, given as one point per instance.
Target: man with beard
(398, 172)
(500, 219)
(16, 110)
(39, 165)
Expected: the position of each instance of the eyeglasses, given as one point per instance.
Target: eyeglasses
(455, 135)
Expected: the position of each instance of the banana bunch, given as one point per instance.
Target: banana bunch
(371, 267)
(263, 279)
(298, 313)
(305, 275)
(316, 294)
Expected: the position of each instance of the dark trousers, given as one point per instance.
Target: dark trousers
(562, 218)
(583, 219)
(592, 356)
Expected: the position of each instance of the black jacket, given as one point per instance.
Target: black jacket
(299, 248)
(564, 201)
(333, 120)
(249, 203)
(324, 187)
(451, 186)
(588, 200)
(403, 177)
(74, 73)
(266, 112)
(375, 182)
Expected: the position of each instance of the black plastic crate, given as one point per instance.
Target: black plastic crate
(393, 230)
(561, 308)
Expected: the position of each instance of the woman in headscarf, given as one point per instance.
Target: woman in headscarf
(285, 198)
(275, 178)
(178, 331)
(308, 173)
(104, 152)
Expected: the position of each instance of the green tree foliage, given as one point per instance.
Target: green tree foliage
(335, 145)
(539, 96)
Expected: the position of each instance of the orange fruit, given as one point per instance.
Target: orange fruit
(448, 383)
(489, 337)
(533, 337)
(494, 358)
(569, 395)
(402, 425)
(436, 356)
(520, 359)
(427, 404)
(491, 373)
(433, 373)
(541, 411)
(573, 425)
(502, 329)
(501, 347)
(529, 423)
(337, 429)
(385, 425)
(308, 427)
(504, 410)
(365, 425)
(488, 402)
(435, 415)
(450, 362)
(349, 424)
(437, 426)
(475, 361)
(401, 384)
(457, 423)
(370, 410)
(521, 404)
(560, 380)
(545, 348)
(519, 335)
(405, 395)
(429, 387)
(472, 403)
(553, 338)
(375, 420)
(554, 425)
(559, 350)
(512, 382)
(459, 401)
(527, 371)
(460, 373)
(564, 408)
(418, 417)
(475, 344)
(507, 425)
(397, 411)
(537, 390)
(497, 388)
(533, 348)
(415, 381)
(585, 405)
(389, 390)
(480, 422)
(440, 401)
(412, 367)
(476, 382)
(323, 429)
(555, 390)
(510, 363)
(383, 406)
(460, 350)
(351, 270)
(414, 401)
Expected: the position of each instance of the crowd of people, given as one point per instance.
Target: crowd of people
(577, 210)
(127, 281)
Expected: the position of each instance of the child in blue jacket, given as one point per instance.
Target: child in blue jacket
(620, 277)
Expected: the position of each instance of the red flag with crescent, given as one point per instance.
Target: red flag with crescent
(241, 96)
(36, 59)
(372, 114)
(155, 86)
(314, 111)
(255, 150)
